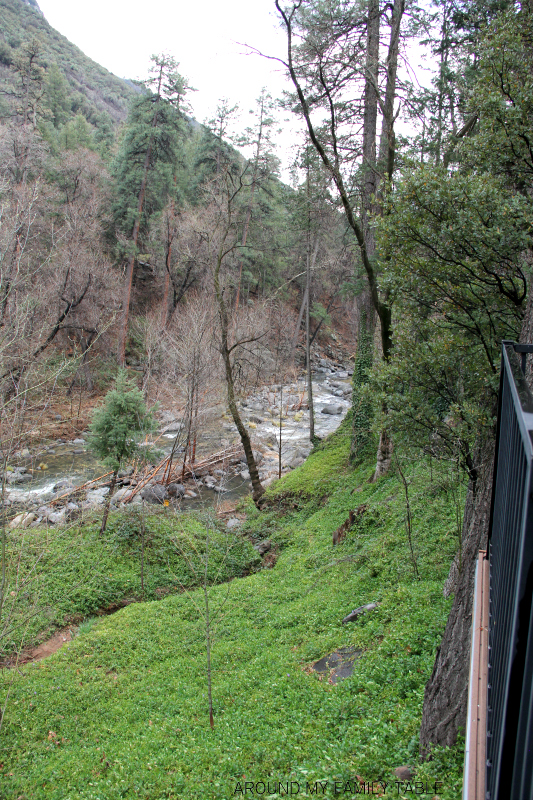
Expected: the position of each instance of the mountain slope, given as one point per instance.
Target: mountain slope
(93, 90)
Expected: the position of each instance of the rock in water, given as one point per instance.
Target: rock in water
(62, 486)
(332, 409)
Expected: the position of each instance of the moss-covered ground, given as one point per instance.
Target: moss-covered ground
(121, 711)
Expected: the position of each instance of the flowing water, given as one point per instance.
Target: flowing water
(73, 461)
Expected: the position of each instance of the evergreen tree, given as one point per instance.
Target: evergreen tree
(116, 429)
(57, 98)
(146, 165)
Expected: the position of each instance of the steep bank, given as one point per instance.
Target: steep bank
(121, 711)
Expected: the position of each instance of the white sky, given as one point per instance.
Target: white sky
(203, 35)
(206, 37)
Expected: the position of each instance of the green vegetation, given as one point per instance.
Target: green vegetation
(121, 711)
(80, 572)
(90, 89)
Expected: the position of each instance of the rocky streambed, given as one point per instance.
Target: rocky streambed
(51, 485)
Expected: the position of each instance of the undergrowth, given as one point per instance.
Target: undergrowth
(58, 576)
(121, 711)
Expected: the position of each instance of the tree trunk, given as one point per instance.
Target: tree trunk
(446, 695)
(308, 341)
(298, 326)
(362, 228)
(257, 487)
(108, 502)
(370, 116)
(384, 455)
(123, 331)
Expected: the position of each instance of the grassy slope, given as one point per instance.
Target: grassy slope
(70, 573)
(121, 712)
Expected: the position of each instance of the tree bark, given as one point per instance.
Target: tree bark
(257, 487)
(108, 502)
(298, 326)
(446, 694)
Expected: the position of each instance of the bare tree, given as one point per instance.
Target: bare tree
(332, 65)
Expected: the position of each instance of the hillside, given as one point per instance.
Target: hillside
(93, 90)
(122, 710)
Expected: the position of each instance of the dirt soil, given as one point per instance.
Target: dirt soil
(42, 650)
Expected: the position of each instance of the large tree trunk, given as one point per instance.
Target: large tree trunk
(446, 695)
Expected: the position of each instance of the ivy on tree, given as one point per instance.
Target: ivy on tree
(117, 427)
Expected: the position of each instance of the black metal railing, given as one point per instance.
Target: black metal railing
(510, 691)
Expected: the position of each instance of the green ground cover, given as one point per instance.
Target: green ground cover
(64, 574)
(121, 711)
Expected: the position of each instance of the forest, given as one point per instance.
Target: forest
(155, 269)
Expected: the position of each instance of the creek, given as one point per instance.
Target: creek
(71, 461)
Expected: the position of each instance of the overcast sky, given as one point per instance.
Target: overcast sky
(205, 36)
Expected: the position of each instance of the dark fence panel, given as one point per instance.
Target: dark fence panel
(510, 694)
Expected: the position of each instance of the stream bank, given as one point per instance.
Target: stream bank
(50, 485)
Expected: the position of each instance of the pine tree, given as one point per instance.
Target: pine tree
(116, 429)
(145, 167)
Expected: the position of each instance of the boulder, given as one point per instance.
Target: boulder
(44, 511)
(18, 477)
(332, 409)
(156, 494)
(18, 496)
(22, 520)
(57, 517)
(263, 547)
(233, 522)
(62, 486)
(96, 497)
(119, 496)
(78, 441)
(176, 490)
